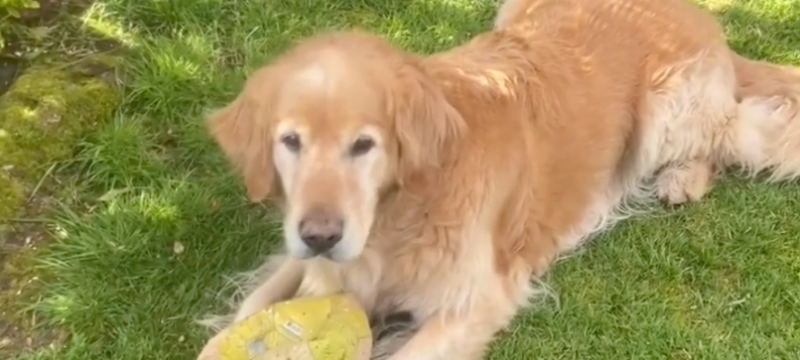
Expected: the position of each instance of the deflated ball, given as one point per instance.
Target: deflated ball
(322, 328)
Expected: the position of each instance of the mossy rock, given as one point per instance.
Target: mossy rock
(42, 117)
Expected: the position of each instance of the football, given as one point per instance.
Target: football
(321, 328)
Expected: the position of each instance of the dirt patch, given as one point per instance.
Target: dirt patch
(9, 69)
(44, 115)
(50, 10)
(11, 64)
(50, 29)
(19, 330)
(56, 82)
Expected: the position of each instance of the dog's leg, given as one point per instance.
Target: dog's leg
(211, 351)
(687, 114)
(678, 183)
(440, 338)
(282, 285)
(508, 11)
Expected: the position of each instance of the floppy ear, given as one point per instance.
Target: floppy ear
(426, 125)
(242, 131)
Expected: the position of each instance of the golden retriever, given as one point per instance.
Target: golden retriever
(441, 185)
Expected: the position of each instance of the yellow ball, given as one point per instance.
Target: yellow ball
(322, 328)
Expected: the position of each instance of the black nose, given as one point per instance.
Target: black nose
(320, 243)
(321, 230)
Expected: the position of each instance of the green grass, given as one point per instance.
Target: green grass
(716, 280)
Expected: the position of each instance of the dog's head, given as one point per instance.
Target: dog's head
(329, 126)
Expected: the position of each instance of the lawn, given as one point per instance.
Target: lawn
(162, 220)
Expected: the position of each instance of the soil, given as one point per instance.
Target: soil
(49, 10)
(12, 57)
(25, 236)
(10, 63)
(22, 235)
(14, 338)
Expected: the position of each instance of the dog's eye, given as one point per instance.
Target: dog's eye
(292, 142)
(362, 146)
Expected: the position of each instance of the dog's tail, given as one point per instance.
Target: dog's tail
(766, 134)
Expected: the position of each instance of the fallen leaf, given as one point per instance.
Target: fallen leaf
(40, 32)
(113, 193)
(178, 248)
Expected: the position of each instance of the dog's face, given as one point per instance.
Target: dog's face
(330, 126)
(334, 154)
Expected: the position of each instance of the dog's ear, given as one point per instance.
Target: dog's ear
(243, 131)
(427, 127)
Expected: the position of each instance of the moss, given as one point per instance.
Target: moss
(18, 269)
(11, 194)
(41, 118)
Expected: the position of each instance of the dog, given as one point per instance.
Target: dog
(441, 185)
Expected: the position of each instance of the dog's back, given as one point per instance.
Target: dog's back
(583, 101)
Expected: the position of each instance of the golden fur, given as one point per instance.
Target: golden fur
(492, 159)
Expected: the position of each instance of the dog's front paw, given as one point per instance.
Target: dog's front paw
(212, 349)
(684, 182)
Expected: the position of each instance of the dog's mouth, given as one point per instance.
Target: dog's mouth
(336, 253)
(327, 255)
